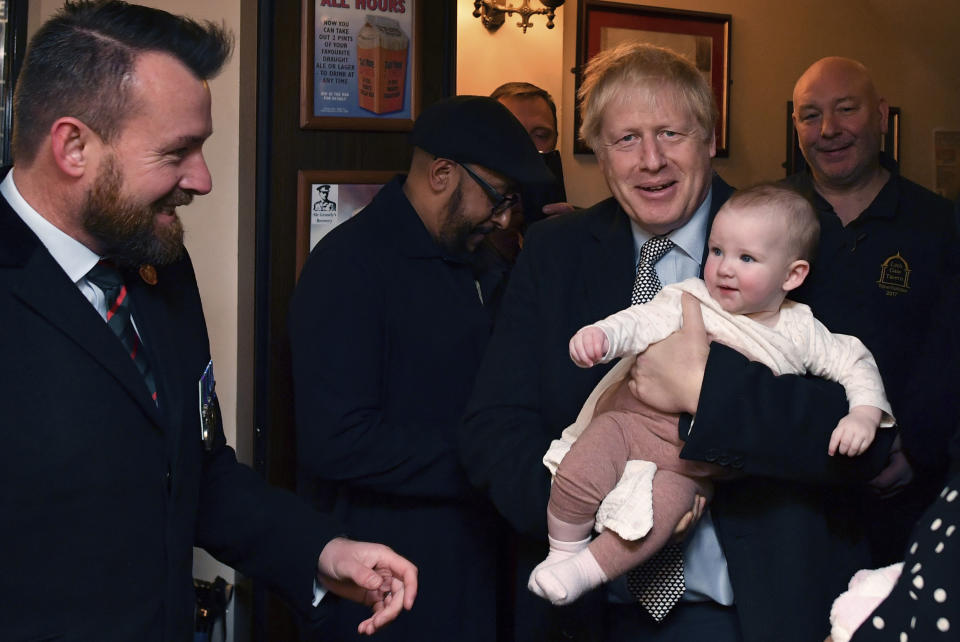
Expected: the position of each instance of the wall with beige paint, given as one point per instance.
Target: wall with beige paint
(911, 48)
(487, 59)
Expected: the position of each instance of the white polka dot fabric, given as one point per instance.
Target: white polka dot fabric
(925, 603)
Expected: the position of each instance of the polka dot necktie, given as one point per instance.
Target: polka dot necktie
(647, 283)
(658, 583)
(106, 277)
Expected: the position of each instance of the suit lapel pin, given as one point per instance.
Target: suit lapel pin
(149, 274)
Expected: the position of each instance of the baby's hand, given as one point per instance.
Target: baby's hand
(855, 432)
(588, 346)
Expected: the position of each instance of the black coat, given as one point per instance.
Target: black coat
(102, 495)
(386, 335)
(782, 544)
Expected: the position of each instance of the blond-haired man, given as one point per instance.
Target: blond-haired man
(649, 116)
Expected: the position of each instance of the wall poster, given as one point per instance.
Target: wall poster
(359, 64)
(326, 199)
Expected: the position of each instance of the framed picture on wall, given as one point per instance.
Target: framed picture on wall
(703, 38)
(359, 64)
(326, 199)
(889, 144)
(13, 39)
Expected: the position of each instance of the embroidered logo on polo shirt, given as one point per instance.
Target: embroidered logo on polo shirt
(895, 275)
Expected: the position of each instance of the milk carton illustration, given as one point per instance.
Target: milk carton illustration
(382, 48)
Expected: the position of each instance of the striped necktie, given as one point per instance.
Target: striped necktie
(106, 277)
(658, 583)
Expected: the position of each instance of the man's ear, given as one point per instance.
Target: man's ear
(884, 108)
(72, 144)
(441, 175)
(796, 274)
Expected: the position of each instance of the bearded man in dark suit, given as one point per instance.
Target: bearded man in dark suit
(115, 461)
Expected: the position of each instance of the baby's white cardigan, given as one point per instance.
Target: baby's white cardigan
(796, 345)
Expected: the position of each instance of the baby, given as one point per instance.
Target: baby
(760, 247)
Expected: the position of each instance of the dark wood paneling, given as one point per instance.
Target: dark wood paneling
(283, 149)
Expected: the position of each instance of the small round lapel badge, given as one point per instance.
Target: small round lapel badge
(149, 274)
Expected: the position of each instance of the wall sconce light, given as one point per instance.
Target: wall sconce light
(492, 12)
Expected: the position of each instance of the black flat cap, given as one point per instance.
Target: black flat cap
(481, 131)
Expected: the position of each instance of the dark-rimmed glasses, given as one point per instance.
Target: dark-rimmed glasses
(501, 202)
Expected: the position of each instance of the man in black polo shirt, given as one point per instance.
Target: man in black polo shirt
(887, 246)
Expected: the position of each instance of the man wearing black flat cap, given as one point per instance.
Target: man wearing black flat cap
(387, 326)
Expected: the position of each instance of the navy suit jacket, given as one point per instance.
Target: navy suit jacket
(102, 494)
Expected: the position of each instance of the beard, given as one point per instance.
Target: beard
(456, 230)
(126, 229)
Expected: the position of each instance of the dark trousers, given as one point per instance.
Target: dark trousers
(687, 622)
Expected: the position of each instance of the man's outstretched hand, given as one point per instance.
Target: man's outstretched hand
(370, 574)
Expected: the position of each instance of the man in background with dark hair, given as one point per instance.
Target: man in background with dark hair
(536, 111)
(534, 108)
(116, 464)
